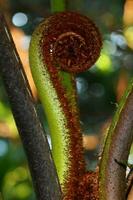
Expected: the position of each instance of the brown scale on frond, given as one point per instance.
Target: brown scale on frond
(71, 43)
(88, 187)
(77, 168)
(75, 41)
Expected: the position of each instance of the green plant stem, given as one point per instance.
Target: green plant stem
(57, 5)
(112, 180)
(34, 141)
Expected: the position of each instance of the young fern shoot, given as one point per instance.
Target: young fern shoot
(64, 44)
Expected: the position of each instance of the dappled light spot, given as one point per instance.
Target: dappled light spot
(19, 19)
(16, 185)
(3, 148)
(128, 32)
(104, 63)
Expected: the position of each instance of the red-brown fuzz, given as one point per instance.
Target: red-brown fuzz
(75, 41)
(71, 43)
(88, 187)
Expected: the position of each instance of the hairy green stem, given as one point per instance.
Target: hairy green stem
(112, 180)
(64, 44)
(58, 123)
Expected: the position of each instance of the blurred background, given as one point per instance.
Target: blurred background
(99, 89)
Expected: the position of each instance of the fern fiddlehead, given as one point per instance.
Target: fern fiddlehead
(63, 45)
